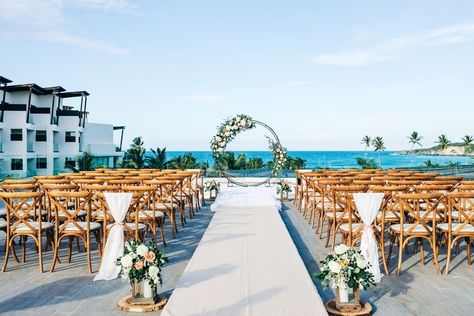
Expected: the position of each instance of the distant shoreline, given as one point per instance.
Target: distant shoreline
(453, 150)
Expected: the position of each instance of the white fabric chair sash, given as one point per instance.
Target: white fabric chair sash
(368, 205)
(119, 204)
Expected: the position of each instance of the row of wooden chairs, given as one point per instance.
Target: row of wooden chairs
(74, 207)
(416, 206)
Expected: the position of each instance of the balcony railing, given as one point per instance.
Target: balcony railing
(1, 147)
(30, 147)
(56, 148)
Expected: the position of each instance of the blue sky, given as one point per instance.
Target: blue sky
(321, 73)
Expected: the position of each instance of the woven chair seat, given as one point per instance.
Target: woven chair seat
(419, 229)
(130, 226)
(71, 227)
(345, 227)
(338, 215)
(44, 226)
(146, 214)
(455, 228)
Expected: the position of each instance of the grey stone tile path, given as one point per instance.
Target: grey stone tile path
(71, 291)
(418, 290)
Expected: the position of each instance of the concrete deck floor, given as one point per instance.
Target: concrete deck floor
(70, 290)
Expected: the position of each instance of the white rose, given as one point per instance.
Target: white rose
(361, 263)
(243, 123)
(340, 249)
(218, 139)
(227, 134)
(334, 267)
(126, 261)
(142, 250)
(153, 271)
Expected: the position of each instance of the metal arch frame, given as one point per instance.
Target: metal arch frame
(267, 180)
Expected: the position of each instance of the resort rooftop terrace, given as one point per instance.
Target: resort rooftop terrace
(70, 290)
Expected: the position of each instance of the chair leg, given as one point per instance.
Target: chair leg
(40, 253)
(328, 234)
(162, 232)
(88, 248)
(468, 250)
(7, 253)
(448, 257)
(400, 254)
(23, 247)
(69, 258)
(422, 255)
(382, 251)
(55, 255)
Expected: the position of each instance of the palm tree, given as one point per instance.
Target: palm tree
(227, 161)
(443, 142)
(136, 153)
(414, 139)
(467, 142)
(186, 161)
(157, 159)
(295, 163)
(85, 162)
(379, 146)
(366, 140)
(255, 163)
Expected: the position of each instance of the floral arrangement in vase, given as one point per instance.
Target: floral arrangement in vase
(283, 188)
(141, 264)
(345, 268)
(213, 187)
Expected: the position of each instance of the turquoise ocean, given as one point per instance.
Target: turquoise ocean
(341, 159)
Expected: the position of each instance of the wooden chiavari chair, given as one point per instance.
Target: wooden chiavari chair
(329, 208)
(447, 178)
(133, 228)
(20, 181)
(165, 201)
(99, 213)
(145, 209)
(343, 212)
(416, 222)
(71, 225)
(23, 221)
(389, 215)
(459, 226)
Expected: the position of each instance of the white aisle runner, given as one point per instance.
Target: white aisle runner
(245, 264)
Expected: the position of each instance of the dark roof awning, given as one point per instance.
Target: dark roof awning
(26, 87)
(54, 89)
(73, 94)
(4, 80)
(118, 128)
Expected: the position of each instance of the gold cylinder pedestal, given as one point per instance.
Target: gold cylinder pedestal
(126, 304)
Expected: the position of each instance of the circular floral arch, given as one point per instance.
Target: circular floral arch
(233, 126)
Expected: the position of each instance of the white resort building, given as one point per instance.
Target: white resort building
(41, 131)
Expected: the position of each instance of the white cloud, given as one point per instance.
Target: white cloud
(123, 6)
(60, 37)
(393, 49)
(44, 20)
(206, 98)
(294, 83)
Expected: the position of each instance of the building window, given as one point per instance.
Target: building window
(17, 164)
(40, 136)
(70, 162)
(41, 163)
(16, 135)
(70, 137)
(101, 162)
